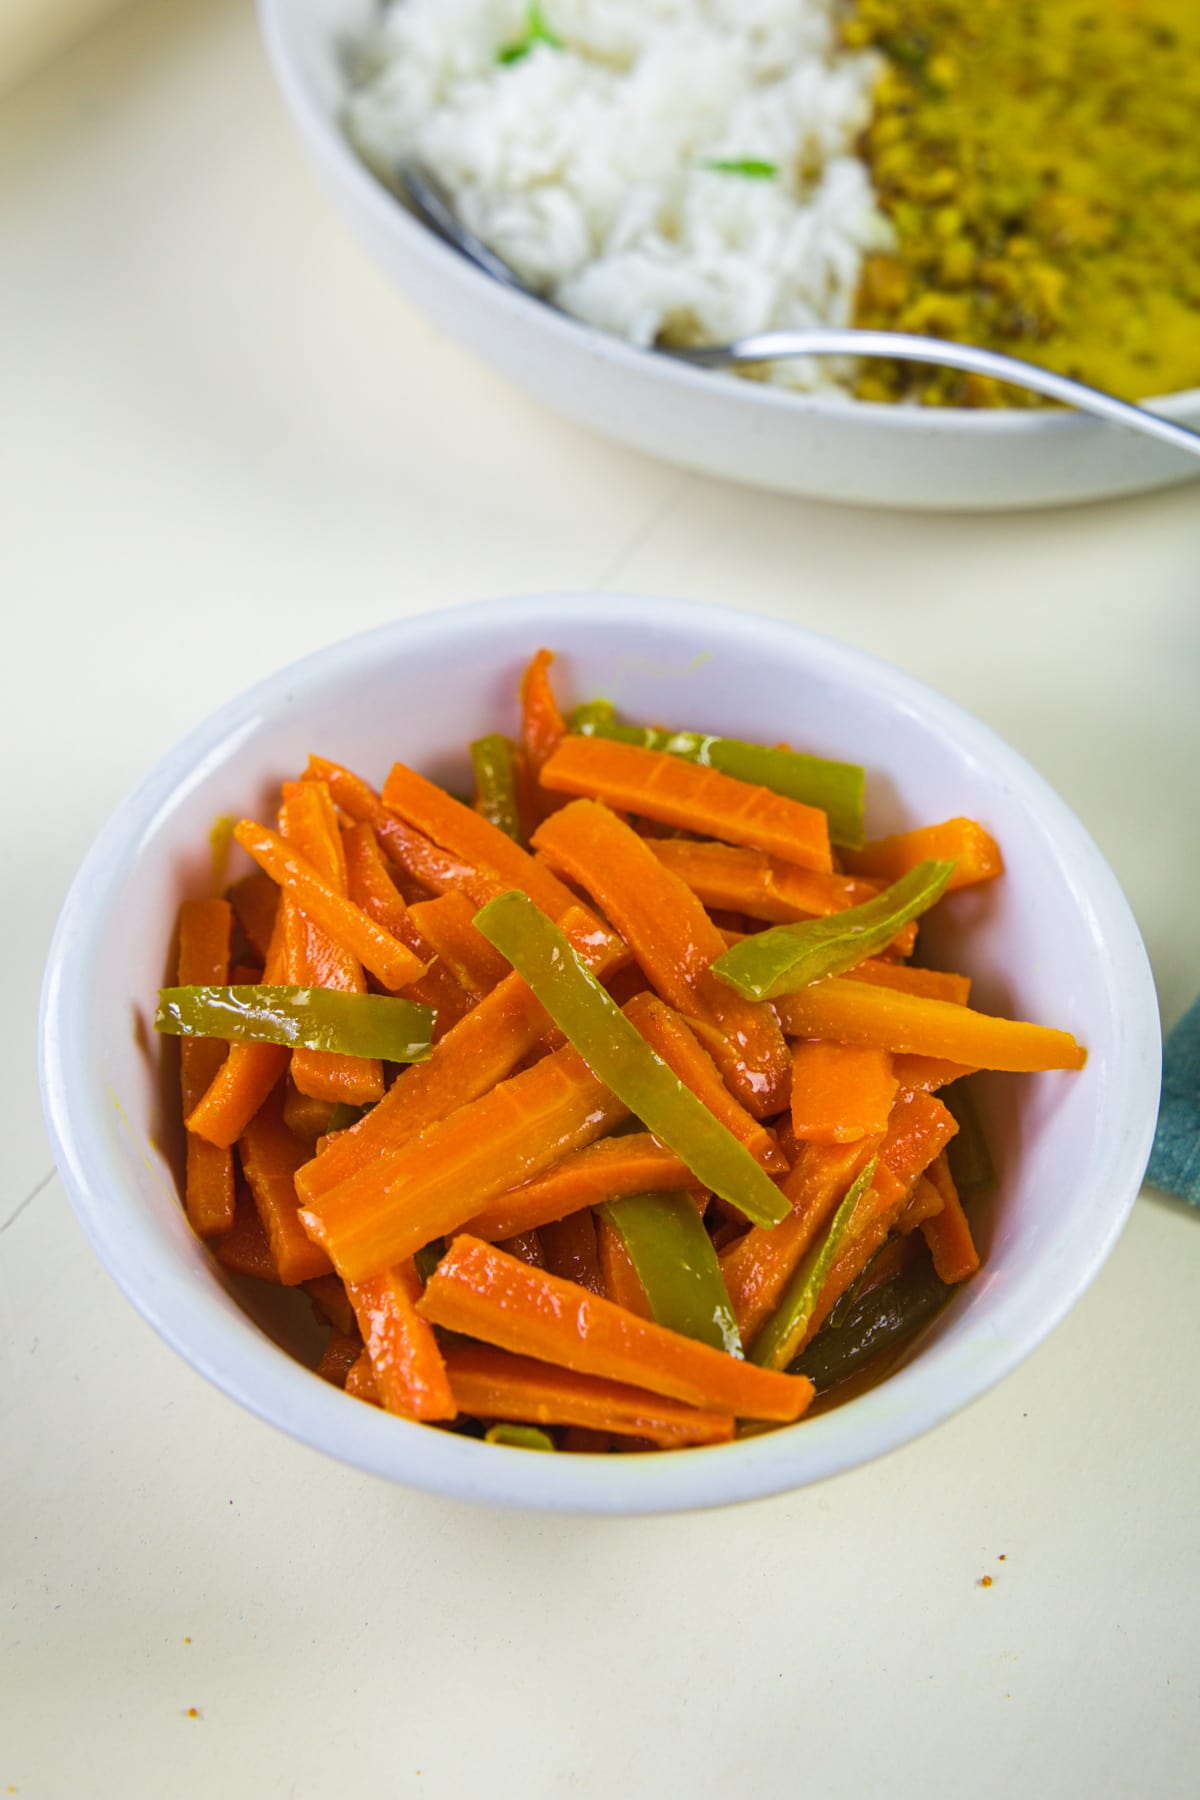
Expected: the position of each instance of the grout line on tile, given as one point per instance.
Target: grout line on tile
(646, 529)
(27, 1201)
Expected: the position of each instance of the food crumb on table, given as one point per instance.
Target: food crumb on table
(985, 1581)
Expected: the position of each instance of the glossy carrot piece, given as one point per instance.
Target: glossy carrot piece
(542, 724)
(244, 1250)
(331, 1302)
(668, 1033)
(660, 786)
(306, 1117)
(570, 1250)
(390, 961)
(255, 901)
(674, 941)
(389, 1210)
(478, 1290)
(928, 984)
(371, 887)
(247, 1075)
(360, 1380)
(840, 1094)
(622, 1284)
(491, 1384)
(447, 924)
(203, 960)
(734, 879)
(856, 1012)
(308, 824)
(947, 1232)
(609, 1169)
(270, 1156)
(924, 1203)
(339, 1356)
(425, 862)
(526, 1246)
(410, 1374)
(974, 851)
(928, 1072)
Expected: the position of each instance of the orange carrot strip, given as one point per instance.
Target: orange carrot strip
(418, 856)
(410, 1375)
(391, 962)
(204, 932)
(660, 786)
(924, 1203)
(947, 1233)
(542, 724)
(960, 840)
(308, 824)
(305, 1117)
(674, 941)
(919, 1129)
(491, 1384)
(570, 1250)
(431, 1184)
(247, 1075)
(331, 1303)
(339, 1356)
(244, 1250)
(622, 1284)
(255, 901)
(930, 984)
(609, 1169)
(360, 1380)
(840, 1094)
(478, 1290)
(928, 1072)
(527, 1247)
(270, 1157)
(448, 924)
(855, 1012)
(372, 888)
(477, 1053)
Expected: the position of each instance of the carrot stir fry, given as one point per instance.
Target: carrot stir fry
(609, 1108)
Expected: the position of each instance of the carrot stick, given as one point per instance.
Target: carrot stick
(305, 1117)
(621, 1283)
(339, 1356)
(204, 932)
(360, 1380)
(248, 1074)
(527, 1246)
(609, 1169)
(446, 923)
(481, 1050)
(255, 901)
(660, 786)
(391, 962)
(570, 1250)
(244, 1250)
(389, 1210)
(924, 1203)
(270, 1157)
(840, 1094)
(733, 879)
(668, 1033)
(372, 888)
(947, 1233)
(308, 824)
(976, 854)
(419, 857)
(491, 1384)
(928, 1072)
(478, 1290)
(410, 1375)
(855, 1012)
(929, 984)
(674, 941)
(331, 1303)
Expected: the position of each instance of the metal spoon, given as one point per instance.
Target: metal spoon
(431, 202)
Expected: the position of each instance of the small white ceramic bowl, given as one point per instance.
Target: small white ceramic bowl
(1054, 941)
(829, 448)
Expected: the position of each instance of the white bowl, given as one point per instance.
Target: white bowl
(1054, 941)
(832, 449)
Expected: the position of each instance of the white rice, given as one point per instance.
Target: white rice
(585, 165)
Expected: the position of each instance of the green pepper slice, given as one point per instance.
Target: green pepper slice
(787, 957)
(779, 1339)
(519, 1437)
(494, 760)
(877, 1322)
(301, 1018)
(677, 1266)
(970, 1160)
(836, 787)
(619, 1056)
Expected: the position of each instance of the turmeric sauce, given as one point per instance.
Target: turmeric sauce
(1040, 163)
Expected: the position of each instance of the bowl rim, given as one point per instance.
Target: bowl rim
(200, 1321)
(389, 211)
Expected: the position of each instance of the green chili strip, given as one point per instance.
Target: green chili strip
(537, 31)
(879, 1321)
(752, 167)
(519, 1437)
(619, 1056)
(302, 1018)
(787, 957)
(494, 760)
(781, 1336)
(837, 788)
(970, 1160)
(677, 1266)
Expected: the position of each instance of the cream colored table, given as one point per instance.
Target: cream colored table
(226, 442)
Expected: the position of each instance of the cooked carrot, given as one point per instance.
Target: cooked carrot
(478, 1290)
(924, 1203)
(247, 1075)
(947, 1233)
(308, 824)
(390, 961)
(255, 901)
(919, 1129)
(839, 1093)
(570, 1250)
(526, 1246)
(621, 1283)
(339, 1356)
(410, 1374)
(331, 1302)
(446, 923)
(929, 984)
(660, 786)
(492, 1384)
(270, 1156)
(360, 1380)
(305, 1117)
(417, 855)
(730, 878)
(204, 932)
(674, 941)
(668, 1033)
(976, 854)
(542, 724)
(609, 1169)
(928, 1072)
(424, 1190)
(244, 1250)
(855, 1012)
(371, 887)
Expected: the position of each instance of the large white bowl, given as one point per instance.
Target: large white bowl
(1054, 941)
(833, 449)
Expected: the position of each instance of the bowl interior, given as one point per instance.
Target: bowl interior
(1053, 942)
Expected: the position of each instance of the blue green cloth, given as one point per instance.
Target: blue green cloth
(1175, 1158)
